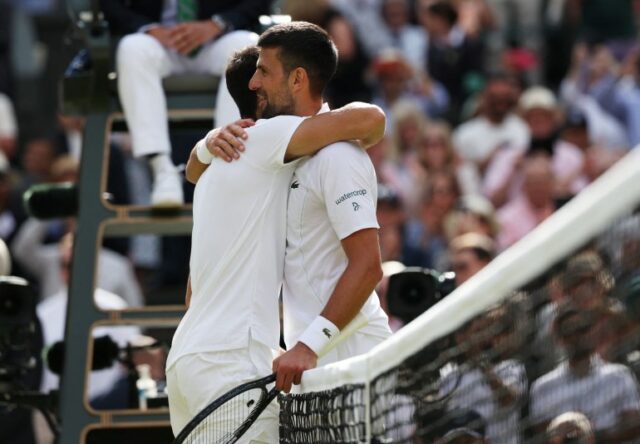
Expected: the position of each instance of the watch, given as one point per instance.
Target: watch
(221, 23)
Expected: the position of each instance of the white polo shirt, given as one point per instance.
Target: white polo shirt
(332, 195)
(470, 389)
(608, 390)
(238, 242)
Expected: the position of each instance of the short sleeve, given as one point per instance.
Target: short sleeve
(268, 139)
(348, 187)
(628, 389)
(538, 403)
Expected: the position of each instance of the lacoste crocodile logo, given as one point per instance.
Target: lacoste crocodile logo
(326, 332)
(295, 185)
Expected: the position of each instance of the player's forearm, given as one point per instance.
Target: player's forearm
(353, 289)
(366, 122)
(356, 121)
(194, 168)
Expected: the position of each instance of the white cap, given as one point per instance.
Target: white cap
(538, 97)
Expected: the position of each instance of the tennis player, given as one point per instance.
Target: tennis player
(231, 328)
(332, 262)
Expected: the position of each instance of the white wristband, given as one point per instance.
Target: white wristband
(202, 153)
(319, 333)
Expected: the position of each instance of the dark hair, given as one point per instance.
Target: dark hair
(304, 45)
(240, 69)
(444, 10)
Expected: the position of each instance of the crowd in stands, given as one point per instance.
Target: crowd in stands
(498, 113)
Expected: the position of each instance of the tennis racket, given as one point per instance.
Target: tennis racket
(228, 417)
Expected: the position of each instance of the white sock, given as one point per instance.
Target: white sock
(161, 163)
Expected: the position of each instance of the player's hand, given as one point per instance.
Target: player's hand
(226, 142)
(290, 366)
(185, 37)
(163, 35)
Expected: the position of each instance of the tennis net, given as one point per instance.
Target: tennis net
(543, 341)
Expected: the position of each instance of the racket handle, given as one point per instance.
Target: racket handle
(356, 324)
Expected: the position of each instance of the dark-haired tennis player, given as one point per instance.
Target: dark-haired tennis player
(231, 328)
(332, 261)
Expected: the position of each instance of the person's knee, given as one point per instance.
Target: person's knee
(137, 49)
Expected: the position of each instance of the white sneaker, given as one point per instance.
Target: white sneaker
(167, 189)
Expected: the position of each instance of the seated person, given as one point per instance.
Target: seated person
(606, 393)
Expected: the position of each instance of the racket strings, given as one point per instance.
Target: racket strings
(220, 425)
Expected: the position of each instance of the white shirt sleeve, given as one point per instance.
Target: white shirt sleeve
(268, 139)
(349, 188)
(627, 388)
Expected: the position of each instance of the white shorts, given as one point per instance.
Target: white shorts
(195, 380)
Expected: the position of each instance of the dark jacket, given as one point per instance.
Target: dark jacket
(128, 16)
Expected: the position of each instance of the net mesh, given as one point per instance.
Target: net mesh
(543, 345)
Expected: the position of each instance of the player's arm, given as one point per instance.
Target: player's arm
(358, 280)
(354, 287)
(226, 142)
(358, 121)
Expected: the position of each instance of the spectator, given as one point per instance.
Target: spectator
(391, 218)
(526, 211)
(541, 113)
(348, 84)
(436, 153)
(473, 214)
(365, 17)
(409, 39)
(572, 427)
(475, 17)
(51, 313)
(494, 390)
(37, 159)
(496, 128)
(403, 169)
(586, 282)
(38, 156)
(594, 72)
(617, 336)
(114, 273)
(606, 393)
(470, 253)
(628, 97)
(168, 38)
(588, 80)
(453, 57)
(425, 242)
(396, 80)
